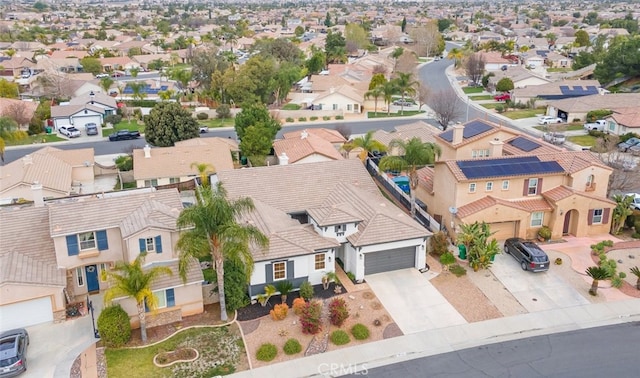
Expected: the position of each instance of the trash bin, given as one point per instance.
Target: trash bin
(493, 258)
(48, 129)
(243, 160)
(462, 252)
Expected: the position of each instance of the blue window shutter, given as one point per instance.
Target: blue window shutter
(290, 269)
(158, 244)
(171, 298)
(268, 272)
(72, 245)
(102, 240)
(143, 245)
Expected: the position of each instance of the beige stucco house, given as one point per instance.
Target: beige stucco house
(308, 146)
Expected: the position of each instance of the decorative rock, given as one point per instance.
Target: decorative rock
(632, 257)
(620, 261)
(352, 297)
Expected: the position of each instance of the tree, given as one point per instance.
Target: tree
(256, 143)
(403, 25)
(367, 143)
(444, 104)
(376, 80)
(422, 95)
(414, 154)
(474, 67)
(327, 20)
(582, 38)
(132, 280)
(625, 177)
(388, 90)
(213, 227)
(9, 131)
(204, 63)
(376, 93)
(456, 54)
(355, 37)
(335, 47)
(253, 115)
(636, 272)
(182, 77)
(620, 212)
(8, 89)
(428, 39)
(168, 123)
(204, 171)
(406, 86)
(480, 250)
(504, 85)
(106, 83)
(134, 72)
(286, 75)
(316, 62)
(597, 273)
(90, 64)
(137, 89)
(19, 111)
(395, 54)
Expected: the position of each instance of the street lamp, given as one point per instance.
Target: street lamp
(93, 322)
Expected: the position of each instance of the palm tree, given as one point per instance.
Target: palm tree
(367, 144)
(388, 90)
(204, 170)
(416, 153)
(106, 83)
(9, 131)
(137, 87)
(598, 274)
(132, 280)
(134, 71)
(406, 85)
(397, 53)
(376, 93)
(620, 212)
(636, 272)
(211, 227)
(456, 54)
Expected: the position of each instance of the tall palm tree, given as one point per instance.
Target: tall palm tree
(388, 90)
(376, 93)
(211, 227)
(9, 131)
(456, 54)
(204, 170)
(132, 280)
(397, 53)
(598, 274)
(367, 143)
(406, 86)
(416, 153)
(106, 83)
(137, 87)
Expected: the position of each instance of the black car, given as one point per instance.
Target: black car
(124, 135)
(529, 254)
(13, 352)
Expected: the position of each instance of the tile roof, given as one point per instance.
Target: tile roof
(419, 129)
(585, 104)
(51, 172)
(561, 192)
(129, 211)
(332, 215)
(69, 110)
(194, 274)
(554, 88)
(528, 205)
(330, 135)
(98, 97)
(628, 117)
(425, 178)
(470, 133)
(302, 147)
(347, 91)
(544, 147)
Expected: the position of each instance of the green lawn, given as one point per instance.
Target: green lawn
(291, 107)
(124, 125)
(559, 69)
(35, 139)
(491, 106)
(219, 348)
(524, 113)
(469, 90)
(382, 114)
(217, 122)
(481, 97)
(583, 140)
(569, 127)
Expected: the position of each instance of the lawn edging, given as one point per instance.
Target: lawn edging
(244, 341)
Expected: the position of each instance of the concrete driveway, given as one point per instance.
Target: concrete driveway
(535, 291)
(413, 303)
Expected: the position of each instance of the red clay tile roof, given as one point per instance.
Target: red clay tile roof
(528, 205)
(561, 192)
(425, 178)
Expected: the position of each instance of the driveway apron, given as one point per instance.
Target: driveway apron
(413, 302)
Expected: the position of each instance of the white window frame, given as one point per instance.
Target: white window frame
(489, 186)
(474, 154)
(150, 183)
(319, 258)
(472, 187)
(174, 180)
(537, 219)
(534, 187)
(150, 244)
(597, 216)
(505, 184)
(162, 298)
(349, 106)
(80, 276)
(284, 270)
(93, 240)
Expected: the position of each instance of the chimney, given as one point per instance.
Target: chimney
(147, 151)
(496, 147)
(304, 134)
(458, 129)
(36, 190)
(283, 159)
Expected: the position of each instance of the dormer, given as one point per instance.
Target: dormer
(333, 222)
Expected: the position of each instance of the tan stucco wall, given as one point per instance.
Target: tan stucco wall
(83, 174)
(168, 242)
(601, 179)
(114, 253)
(12, 293)
(464, 152)
(581, 205)
(25, 191)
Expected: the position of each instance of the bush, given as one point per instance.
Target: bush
(266, 352)
(636, 235)
(545, 233)
(598, 114)
(292, 346)
(326, 118)
(306, 290)
(223, 111)
(439, 244)
(202, 116)
(302, 119)
(113, 119)
(124, 162)
(36, 126)
(617, 282)
(458, 270)
(622, 275)
(314, 118)
(447, 259)
(298, 305)
(310, 318)
(360, 331)
(114, 327)
(142, 103)
(596, 133)
(338, 311)
(339, 117)
(351, 276)
(289, 119)
(279, 311)
(339, 337)
(500, 108)
(291, 106)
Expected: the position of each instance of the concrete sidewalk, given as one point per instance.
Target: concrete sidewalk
(436, 341)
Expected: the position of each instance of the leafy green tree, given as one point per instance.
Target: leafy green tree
(597, 273)
(256, 143)
(132, 280)
(254, 81)
(620, 212)
(367, 143)
(235, 285)
(9, 131)
(335, 47)
(414, 154)
(286, 75)
(327, 20)
(406, 86)
(504, 85)
(168, 123)
(582, 38)
(213, 227)
(39, 6)
(182, 76)
(299, 31)
(8, 89)
(281, 49)
(621, 59)
(403, 24)
(355, 37)
(316, 62)
(377, 80)
(205, 62)
(256, 114)
(90, 64)
(443, 24)
(134, 72)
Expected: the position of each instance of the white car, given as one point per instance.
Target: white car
(69, 131)
(100, 76)
(545, 120)
(636, 200)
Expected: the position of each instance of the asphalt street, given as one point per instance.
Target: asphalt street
(610, 351)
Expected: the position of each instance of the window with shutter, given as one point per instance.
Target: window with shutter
(143, 245)
(72, 245)
(268, 272)
(171, 299)
(158, 240)
(590, 217)
(103, 243)
(605, 216)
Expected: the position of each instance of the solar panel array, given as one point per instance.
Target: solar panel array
(578, 91)
(471, 129)
(525, 144)
(146, 89)
(525, 165)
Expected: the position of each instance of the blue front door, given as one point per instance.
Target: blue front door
(91, 272)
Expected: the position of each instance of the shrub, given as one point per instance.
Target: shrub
(351, 276)
(306, 290)
(339, 117)
(36, 126)
(447, 259)
(298, 305)
(279, 311)
(114, 327)
(266, 352)
(360, 331)
(617, 282)
(636, 235)
(223, 111)
(622, 275)
(439, 244)
(339, 337)
(302, 119)
(545, 233)
(113, 119)
(292, 346)
(137, 113)
(338, 311)
(291, 106)
(458, 270)
(310, 318)
(314, 118)
(289, 119)
(124, 162)
(500, 108)
(326, 118)
(202, 116)
(596, 133)
(598, 114)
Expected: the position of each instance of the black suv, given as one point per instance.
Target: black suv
(13, 352)
(530, 256)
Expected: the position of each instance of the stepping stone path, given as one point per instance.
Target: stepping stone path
(320, 342)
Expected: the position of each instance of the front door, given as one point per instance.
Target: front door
(91, 271)
(567, 223)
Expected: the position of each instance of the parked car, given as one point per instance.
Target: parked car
(91, 128)
(597, 125)
(545, 120)
(529, 254)
(403, 103)
(69, 131)
(124, 135)
(636, 200)
(502, 97)
(626, 145)
(204, 129)
(13, 352)
(554, 138)
(635, 150)
(102, 75)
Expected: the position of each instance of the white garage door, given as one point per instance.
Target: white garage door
(27, 313)
(503, 230)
